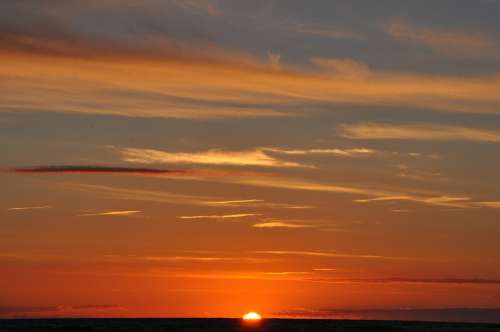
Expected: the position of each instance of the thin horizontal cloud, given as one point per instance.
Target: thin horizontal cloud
(372, 194)
(255, 157)
(142, 171)
(237, 202)
(259, 203)
(223, 216)
(326, 254)
(323, 31)
(41, 207)
(172, 198)
(354, 152)
(188, 258)
(280, 224)
(385, 131)
(111, 213)
(60, 310)
(287, 273)
(450, 201)
(431, 314)
(453, 42)
(493, 205)
(324, 269)
(96, 170)
(138, 194)
(460, 281)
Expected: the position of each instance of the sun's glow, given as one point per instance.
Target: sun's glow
(252, 316)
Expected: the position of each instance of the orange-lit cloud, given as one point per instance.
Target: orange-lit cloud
(29, 208)
(452, 42)
(417, 132)
(111, 213)
(335, 151)
(215, 84)
(255, 157)
(280, 224)
(326, 254)
(223, 216)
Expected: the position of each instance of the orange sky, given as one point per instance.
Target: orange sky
(164, 160)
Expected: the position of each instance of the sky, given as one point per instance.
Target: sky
(205, 158)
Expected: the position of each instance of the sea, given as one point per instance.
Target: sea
(235, 325)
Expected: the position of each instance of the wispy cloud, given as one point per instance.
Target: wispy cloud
(323, 31)
(138, 194)
(29, 208)
(237, 202)
(111, 213)
(223, 216)
(199, 6)
(326, 254)
(182, 81)
(493, 205)
(255, 157)
(385, 131)
(372, 194)
(453, 42)
(450, 201)
(281, 224)
(354, 152)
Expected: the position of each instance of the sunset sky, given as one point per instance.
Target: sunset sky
(205, 158)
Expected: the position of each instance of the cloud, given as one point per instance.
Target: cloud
(261, 156)
(280, 224)
(199, 7)
(138, 194)
(111, 213)
(343, 67)
(112, 46)
(456, 43)
(237, 202)
(255, 157)
(171, 197)
(251, 179)
(374, 194)
(323, 31)
(336, 152)
(450, 201)
(189, 258)
(223, 216)
(459, 281)
(326, 254)
(431, 314)
(111, 170)
(218, 83)
(29, 208)
(385, 131)
(96, 170)
(493, 205)
(274, 59)
(90, 310)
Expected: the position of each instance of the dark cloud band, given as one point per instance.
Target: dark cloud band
(96, 170)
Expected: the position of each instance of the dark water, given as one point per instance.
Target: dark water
(229, 325)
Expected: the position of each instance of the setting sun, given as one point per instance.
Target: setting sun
(252, 316)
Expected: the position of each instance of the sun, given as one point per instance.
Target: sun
(252, 317)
